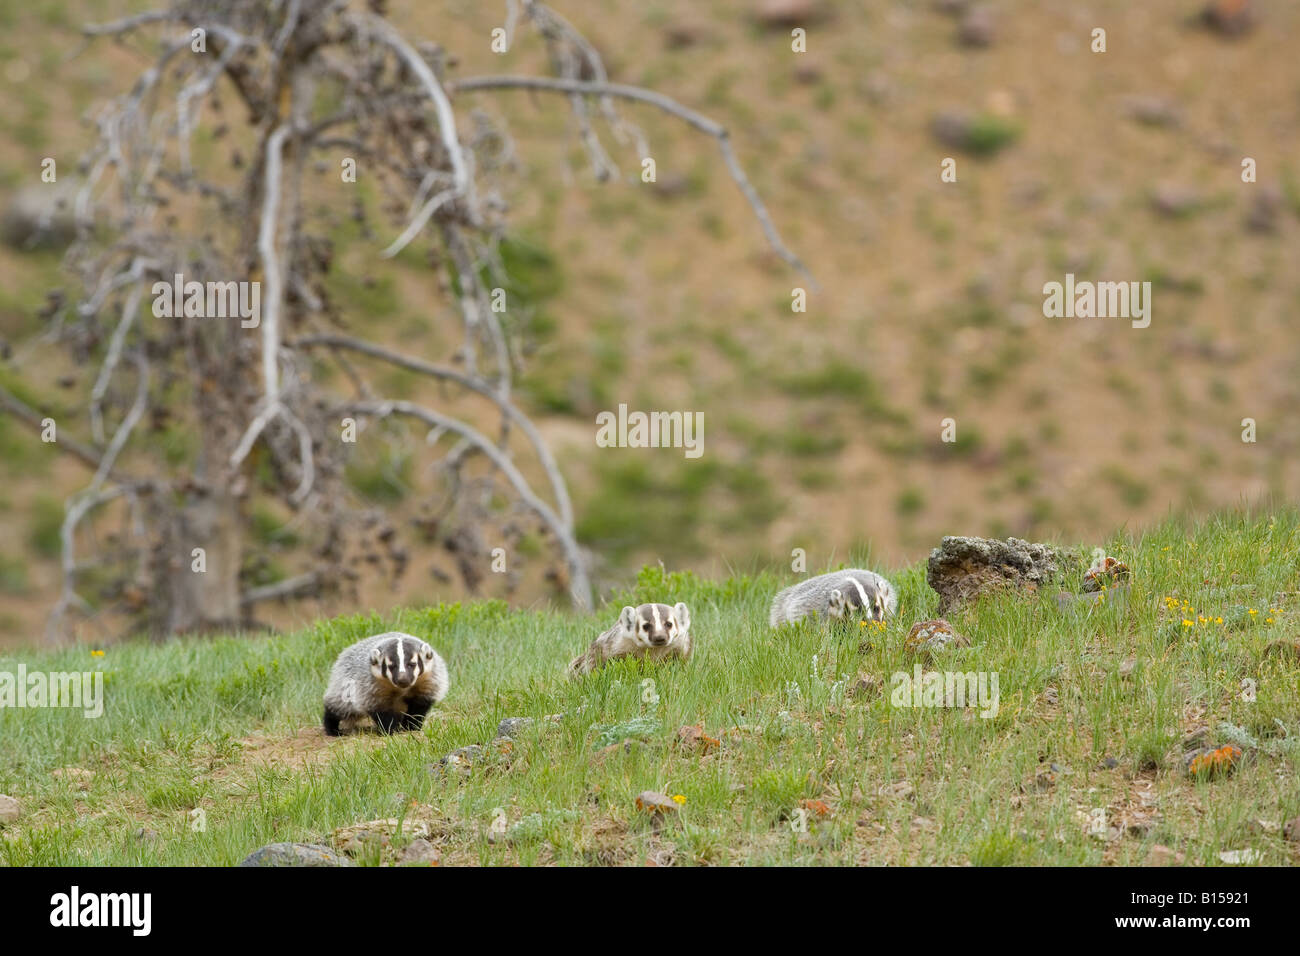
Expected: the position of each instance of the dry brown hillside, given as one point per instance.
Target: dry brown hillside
(822, 429)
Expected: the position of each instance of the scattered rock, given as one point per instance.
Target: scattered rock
(1153, 111)
(1229, 18)
(684, 34)
(953, 128)
(1175, 200)
(1264, 209)
(1207, 762)
(144, 835)
(816, 807)
(867, 687)
(651, 801)
(784, 14)
(420, 851)
(693, 739)
(807, 71)
(901, 790)
(977, 27)
(357, 836)
(1127, 666)
(925, 637)
(513, 725)
(295, 854)
(962, 569)
(1291, 830)
(462, 759)
(1110, 763)
(10, 809)
(1102, 576)
(951, 8)
(670, 185)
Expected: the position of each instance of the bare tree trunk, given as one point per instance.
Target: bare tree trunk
(201, 596)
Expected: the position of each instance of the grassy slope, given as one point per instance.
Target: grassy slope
(229, 725)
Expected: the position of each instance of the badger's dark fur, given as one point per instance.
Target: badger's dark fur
(390, 680)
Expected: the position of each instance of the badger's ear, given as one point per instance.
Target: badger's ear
(375, 657)
(426, 652)
(682, 614)
(836, 601)
(627, 620)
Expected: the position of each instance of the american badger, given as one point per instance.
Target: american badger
(836, 596)
(390, 680)
(653, 631)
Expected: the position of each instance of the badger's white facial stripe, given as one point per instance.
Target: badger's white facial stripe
(863, 600)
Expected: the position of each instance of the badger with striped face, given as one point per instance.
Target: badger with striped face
(388, 682)
(652, 631)
(840, 596)
(855, 599)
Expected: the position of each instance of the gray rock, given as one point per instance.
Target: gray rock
(420, 851)
(295, 854)
(10, 809)
(962, 569)
(977, 28)
(782, 14)
(513, 725)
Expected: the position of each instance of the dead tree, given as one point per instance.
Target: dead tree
(249, 389)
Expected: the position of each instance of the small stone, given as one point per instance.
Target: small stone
(867, 687)
(1229, 18)
(651, 801)
(1104, 574)
(1291, 830)
(925, 637)
(295, 854)
(977, 28)
(1208, 762)
(1265, 207)
(513, 725)
(1153, 111)
(693, 739)
(10, 809)
(784, 14)
(144, 834)
(420, 851)
(1175, 200)
(1127, 666)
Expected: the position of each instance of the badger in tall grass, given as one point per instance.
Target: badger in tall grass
(389, 681)
(837, 596)
(652, 631)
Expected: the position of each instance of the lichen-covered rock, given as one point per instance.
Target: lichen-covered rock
(512, 725)
(962, 569)
(926, 637)
(358, 836)
(651, 801)
(295, 854)
(1213, 761)
(1103, 575)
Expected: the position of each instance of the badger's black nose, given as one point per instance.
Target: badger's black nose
(659, 640)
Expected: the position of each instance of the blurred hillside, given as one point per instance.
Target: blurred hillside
(822, 429)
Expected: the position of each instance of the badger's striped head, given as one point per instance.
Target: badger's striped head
(400, 660)
(655, 625)
(854, 598)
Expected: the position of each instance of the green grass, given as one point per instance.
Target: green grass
(229, 726)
